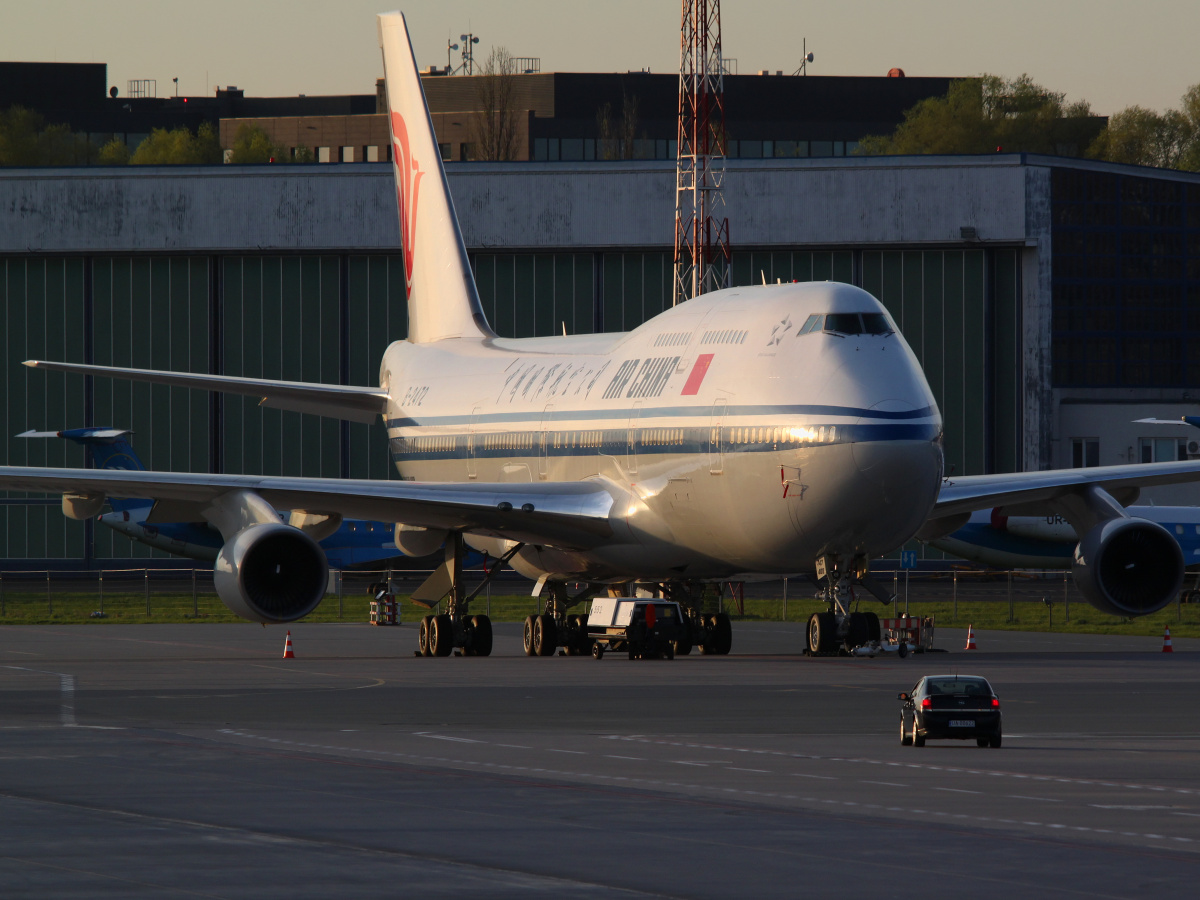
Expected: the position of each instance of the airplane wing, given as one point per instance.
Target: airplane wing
(1034, 492)
(337, 401)
(571, 515)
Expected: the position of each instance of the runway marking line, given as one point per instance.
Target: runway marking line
(695, 787)
(638, 739)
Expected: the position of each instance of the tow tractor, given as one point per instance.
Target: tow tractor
(645, 628)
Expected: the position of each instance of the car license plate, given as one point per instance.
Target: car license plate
(962, 723)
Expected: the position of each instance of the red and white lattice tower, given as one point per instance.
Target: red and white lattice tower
(701, 236)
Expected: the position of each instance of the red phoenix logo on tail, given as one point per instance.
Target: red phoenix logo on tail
(408, 186)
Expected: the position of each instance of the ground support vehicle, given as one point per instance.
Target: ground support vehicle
(913, 632)
(645, 628)
(554, 628)
(955, 707)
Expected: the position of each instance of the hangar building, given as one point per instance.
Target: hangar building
(1050, 300)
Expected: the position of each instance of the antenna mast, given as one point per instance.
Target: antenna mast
(701, 239)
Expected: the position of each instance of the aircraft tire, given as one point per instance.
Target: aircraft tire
(707, 645)
(527, 636)
(873, 630)
(423, 636)
(545, 639)
(822, 633)
(441, 636)
(722, 634)
(481, 636)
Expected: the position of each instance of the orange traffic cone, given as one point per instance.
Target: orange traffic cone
(287, 647)
(1167, 641)
(970, 639)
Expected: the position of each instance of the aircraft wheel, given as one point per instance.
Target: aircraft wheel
(481, 637)
(545, 640)
(423, 636)
(707, 645)
(873, 629)
(682, 647)
(527, 635)
(722, 634)
(441, 636)
(822, 632)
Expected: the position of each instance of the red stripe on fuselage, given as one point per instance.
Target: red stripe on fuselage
(699, 370)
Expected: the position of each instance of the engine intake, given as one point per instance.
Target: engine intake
(1128, 567)
(271, 573)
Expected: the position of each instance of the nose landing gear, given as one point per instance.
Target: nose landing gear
(840, 631)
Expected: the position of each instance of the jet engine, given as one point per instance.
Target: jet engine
(1128, 567)
(271, 572)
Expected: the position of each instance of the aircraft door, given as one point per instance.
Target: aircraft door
(716, 442)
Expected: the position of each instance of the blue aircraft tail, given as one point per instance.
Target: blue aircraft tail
(106, 448)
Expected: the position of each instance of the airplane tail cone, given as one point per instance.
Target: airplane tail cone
(287, 647)
(970, 638)
(1167, 641)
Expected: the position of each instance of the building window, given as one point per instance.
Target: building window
(1162, 449)
(347, 154)
(444, 152)
(323, 154)
(466, 151)
(1085, 452)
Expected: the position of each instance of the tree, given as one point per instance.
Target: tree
(252, 144)
(988, 114)
(304, 155)
(114, 153)
(179, 147)
(1143, 137)
(616, 139)
(495, 125)
(26, 140)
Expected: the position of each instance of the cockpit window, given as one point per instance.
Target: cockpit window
(876, 323)
(843, 323)
(849, 323)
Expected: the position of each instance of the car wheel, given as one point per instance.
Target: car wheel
(597, 650)
(905, 737)
(995, 741)
(918, 739)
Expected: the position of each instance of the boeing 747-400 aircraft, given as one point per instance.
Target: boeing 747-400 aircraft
(774, 429)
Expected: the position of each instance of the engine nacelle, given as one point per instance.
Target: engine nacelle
(271, 573)
(1128, 567)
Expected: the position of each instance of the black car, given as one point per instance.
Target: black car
(950, 706)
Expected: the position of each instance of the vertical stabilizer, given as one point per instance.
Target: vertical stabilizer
(442, 300)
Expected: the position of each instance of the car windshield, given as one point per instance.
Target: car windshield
(972, 687)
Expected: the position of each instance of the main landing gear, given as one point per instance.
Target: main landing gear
(553, 628)
(839, 631)
(456, 630)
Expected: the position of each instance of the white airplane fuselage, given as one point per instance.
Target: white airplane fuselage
(732, 443)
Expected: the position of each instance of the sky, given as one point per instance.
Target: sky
(1112, 53)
